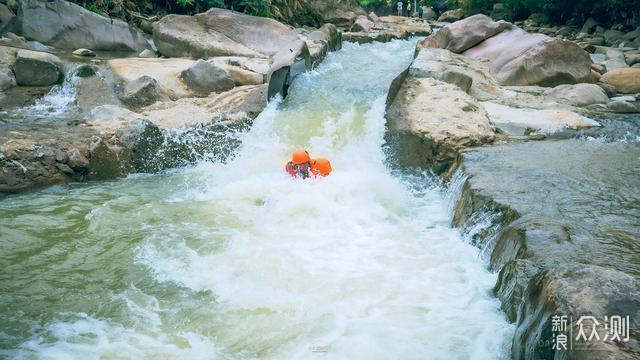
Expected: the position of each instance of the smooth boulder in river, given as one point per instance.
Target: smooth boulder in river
(69, 26)
(204, 77)
(626, 81)
(35, 68)
(466, 33)
(520, 58)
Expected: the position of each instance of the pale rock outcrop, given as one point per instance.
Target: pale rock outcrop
(69, 26)
(165, 71)
(236, 105)
(430, 121)
(220, 32)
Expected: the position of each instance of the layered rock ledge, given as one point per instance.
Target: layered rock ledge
(213, 74)
(557, 218)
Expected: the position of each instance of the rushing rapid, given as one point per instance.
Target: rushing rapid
(237, 260)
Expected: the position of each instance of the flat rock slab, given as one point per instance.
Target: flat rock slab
(236, 105)
(165, 71)
(440, 111)
(514, 121)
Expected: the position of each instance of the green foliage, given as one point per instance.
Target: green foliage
(256, 7)
(557, 11)
(184, 3)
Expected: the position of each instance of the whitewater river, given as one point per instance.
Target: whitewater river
(237, 260)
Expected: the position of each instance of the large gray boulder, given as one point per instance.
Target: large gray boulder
(520, 58)
(69, 26)
(205, 77)
(33, 68)
(464, 34)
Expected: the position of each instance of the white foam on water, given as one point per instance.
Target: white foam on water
(359, 265)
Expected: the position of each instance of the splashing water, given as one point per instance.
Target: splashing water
(237, 260)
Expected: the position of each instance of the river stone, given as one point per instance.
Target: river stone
(84, 53)
(619, 106)
(373, 17)
(147, 54)
(626, 81)
(631, 35)
(597, 40)
(613, 64)
(588, 26)
(580, 94)
(34, 68)
(629, 98)
(362, 23)
(609, 89)
(69, 26)
(329, 34)
(86, 70)
(451, 15)
(77, 161)
(520, 58)
(515, 121)
(204, 77)
(140, 92)
(611, 36)
(243, 71)
(165, 71)
(7, 79)
(632, 59)
(464, 34)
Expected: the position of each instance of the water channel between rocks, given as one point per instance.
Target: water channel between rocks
(237, 260)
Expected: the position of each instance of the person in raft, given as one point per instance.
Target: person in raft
(302, 166)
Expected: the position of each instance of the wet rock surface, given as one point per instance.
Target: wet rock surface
(564, 236)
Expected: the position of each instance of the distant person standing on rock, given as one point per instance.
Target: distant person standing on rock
(409, 8)
(399, 8)
(420, 11)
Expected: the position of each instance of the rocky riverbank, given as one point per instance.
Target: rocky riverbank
(544, 172)
(80, 104)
